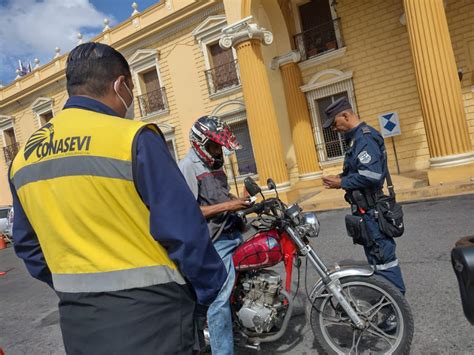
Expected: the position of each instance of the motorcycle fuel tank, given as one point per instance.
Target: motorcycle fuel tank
(260, 251)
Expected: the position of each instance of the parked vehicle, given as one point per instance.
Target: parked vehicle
(6, 220)
(346, 307)
(462, 258)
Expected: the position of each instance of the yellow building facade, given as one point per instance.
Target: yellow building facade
(270, 67)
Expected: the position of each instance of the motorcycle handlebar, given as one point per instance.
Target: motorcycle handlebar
(258, 207)
(255, 208)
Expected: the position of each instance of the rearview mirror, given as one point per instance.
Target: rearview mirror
(251, 186)
(271, 184)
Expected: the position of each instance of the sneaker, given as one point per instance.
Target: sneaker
(389, 324)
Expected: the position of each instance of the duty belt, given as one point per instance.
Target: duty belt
(363, 198)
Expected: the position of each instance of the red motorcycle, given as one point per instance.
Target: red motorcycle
(346, 307)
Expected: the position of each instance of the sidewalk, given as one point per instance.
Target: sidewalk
(408, 187)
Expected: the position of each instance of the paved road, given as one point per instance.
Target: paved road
(29, 320)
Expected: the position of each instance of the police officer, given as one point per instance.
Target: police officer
(104, 217)
(364, 171)
(363, 176)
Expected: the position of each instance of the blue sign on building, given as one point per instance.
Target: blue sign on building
(389, 124)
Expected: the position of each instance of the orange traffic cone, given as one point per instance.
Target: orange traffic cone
(3, 244)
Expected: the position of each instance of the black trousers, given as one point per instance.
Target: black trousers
(152, 320)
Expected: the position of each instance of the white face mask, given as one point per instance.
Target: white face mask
(130, 110)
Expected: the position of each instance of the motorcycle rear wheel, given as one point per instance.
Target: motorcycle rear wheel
(375, 300)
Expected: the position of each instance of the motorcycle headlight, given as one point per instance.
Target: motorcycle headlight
(310, 224)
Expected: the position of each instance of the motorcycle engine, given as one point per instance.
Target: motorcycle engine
(261, 301)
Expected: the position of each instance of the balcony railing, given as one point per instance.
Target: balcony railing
(10, 152)
(153, 101)
(318, 40)
(223, 77)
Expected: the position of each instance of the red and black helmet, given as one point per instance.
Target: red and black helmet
(211, 128)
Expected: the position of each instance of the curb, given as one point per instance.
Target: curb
(403, 196)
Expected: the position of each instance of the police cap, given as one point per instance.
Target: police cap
(334, 109)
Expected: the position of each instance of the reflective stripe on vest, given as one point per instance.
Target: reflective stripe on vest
(70, 166)
(74, 180)
(116, 280)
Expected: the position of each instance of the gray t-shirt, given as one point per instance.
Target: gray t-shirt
(209, 186)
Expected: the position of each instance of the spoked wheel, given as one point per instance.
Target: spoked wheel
(387, 316)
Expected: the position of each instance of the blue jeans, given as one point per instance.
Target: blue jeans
(219, 316)
(387, 257)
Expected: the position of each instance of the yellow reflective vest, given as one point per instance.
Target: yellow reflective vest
(74, 179)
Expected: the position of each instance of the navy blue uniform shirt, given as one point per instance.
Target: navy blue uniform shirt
(364, 161)
(176, 221)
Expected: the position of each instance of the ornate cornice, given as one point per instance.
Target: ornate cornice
(243, 30)
(316, 83)
(209, 27)
(42, 104)
(143, 57)
(152, 39)
(290, 57)
(5, 120)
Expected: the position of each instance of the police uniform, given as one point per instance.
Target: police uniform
(365, 169)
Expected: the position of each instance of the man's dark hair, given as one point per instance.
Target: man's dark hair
(92, 67)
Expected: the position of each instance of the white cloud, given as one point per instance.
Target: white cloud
(33, 29)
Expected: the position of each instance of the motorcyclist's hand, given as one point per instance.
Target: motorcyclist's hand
(238, 204)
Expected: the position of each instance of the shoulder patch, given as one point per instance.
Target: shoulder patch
(366, 130)
(364, 157)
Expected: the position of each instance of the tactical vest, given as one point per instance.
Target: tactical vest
(74, 179)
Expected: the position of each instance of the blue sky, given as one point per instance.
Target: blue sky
(34, 28)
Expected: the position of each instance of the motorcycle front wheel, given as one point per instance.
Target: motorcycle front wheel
(387, 316)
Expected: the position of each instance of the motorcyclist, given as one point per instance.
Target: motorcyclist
(203, 170)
